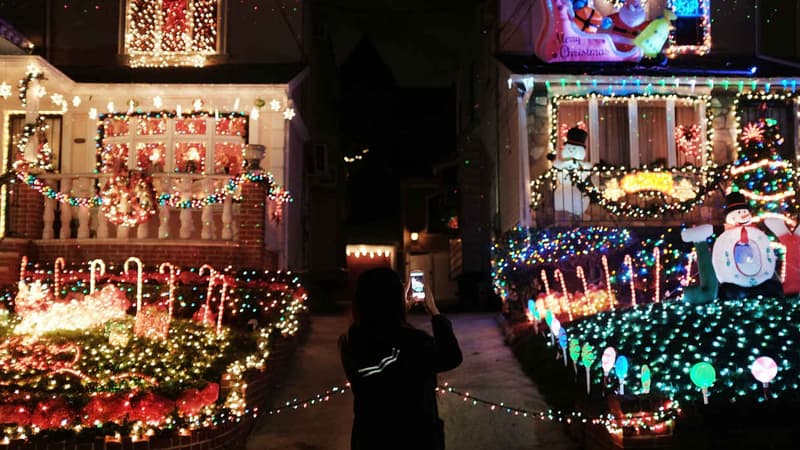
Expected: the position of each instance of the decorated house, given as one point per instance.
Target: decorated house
(629, 113)
(171, 134)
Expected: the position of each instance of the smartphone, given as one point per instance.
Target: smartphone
(417, 286)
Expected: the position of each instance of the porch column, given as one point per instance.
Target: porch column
(524, 158)
(49, 214)
(66, 210)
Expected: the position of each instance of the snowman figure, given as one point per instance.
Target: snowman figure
(743, 259)
(567, 196)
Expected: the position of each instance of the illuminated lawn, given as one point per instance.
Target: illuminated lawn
(85, 360)
(671, 337)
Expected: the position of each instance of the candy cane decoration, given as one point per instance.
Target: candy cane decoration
(139, 266)
(171, 283)
(94, 264)
(23, 268)
(692, 257)
(608, 281)
(560, 277)
(212, 275)
(657, 257)
(582, 276)
(546, 283)
(222, 298)
(58, 266)
(629, 262)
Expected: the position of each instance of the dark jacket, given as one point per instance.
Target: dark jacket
(393, 376)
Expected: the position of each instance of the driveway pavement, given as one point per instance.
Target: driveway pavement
(489, 371)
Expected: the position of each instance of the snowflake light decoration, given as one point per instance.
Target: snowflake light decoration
(5, 90)
(752, 132)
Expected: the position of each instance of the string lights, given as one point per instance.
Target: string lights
(164, 34)
(656, 186)
(110, 373)
(656, 421)
(520, 248)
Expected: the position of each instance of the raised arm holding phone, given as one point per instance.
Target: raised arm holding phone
(392, 366)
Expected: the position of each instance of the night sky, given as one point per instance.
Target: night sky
(397, 72)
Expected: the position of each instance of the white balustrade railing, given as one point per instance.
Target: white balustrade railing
(210, 222)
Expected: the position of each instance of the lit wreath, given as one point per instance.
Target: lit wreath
(132, 188)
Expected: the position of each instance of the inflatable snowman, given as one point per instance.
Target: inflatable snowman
(567, 196)
(743, 259)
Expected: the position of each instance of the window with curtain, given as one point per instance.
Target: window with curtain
(614, 132)
(189, 144)
(652, 127)
(50, 138)
(171, 32)
(570, 114)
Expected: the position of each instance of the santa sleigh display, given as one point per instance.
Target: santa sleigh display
(572, 32)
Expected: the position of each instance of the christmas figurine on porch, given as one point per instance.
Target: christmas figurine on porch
(743, 260)
(572, 159)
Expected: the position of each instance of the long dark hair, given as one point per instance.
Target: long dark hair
(380, 299)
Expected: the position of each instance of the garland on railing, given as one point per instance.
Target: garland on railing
(710, 176)
(274, 191)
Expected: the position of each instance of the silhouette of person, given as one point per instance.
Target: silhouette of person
(392, 366)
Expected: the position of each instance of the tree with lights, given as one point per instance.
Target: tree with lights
(761, 174)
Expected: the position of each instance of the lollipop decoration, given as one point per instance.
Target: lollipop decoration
(548, 319)
(645, 377)
(764, 370)
(574, 353)
(607, 361)
(587, 359)
(531, 309)
(555, 327)
(703, 376)
(621, 368)
(562, 342)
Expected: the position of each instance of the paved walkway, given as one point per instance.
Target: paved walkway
(489, 371)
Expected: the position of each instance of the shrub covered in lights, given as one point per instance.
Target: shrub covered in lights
(519, 254)
(171, 365)
(671, 337)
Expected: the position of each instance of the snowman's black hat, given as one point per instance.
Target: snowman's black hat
(734, 201)
(577, 136)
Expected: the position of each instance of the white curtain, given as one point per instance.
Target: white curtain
(614, 133)
(652, 124)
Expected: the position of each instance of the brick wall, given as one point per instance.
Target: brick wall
(25, 207)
